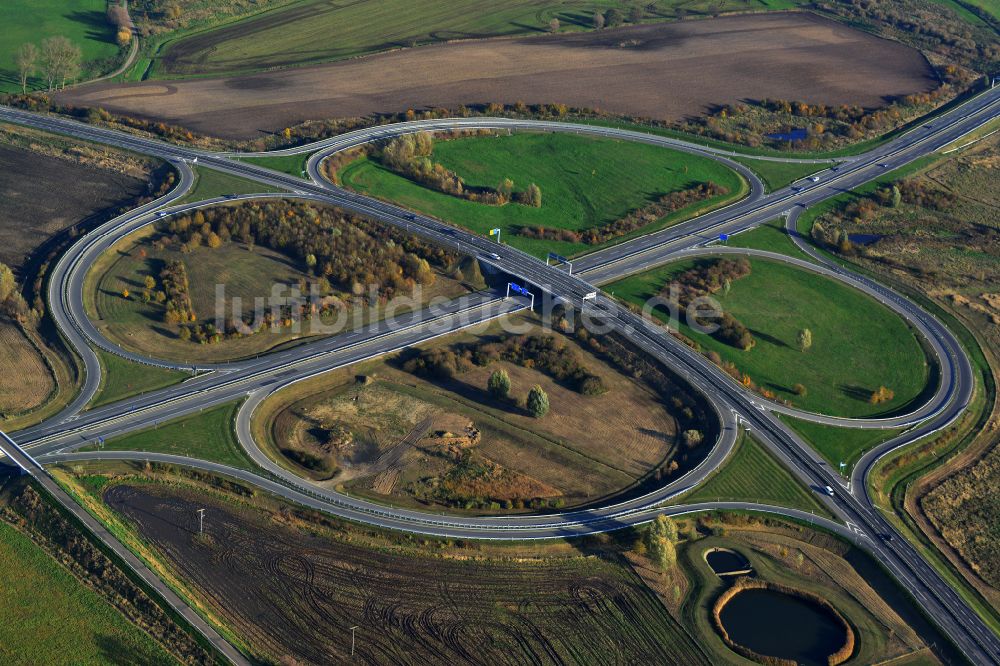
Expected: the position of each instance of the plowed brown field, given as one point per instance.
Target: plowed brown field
(663, 71)
(290, 592)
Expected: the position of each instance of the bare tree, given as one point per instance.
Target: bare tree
(27, 61)
(598, 20)
(60, 60)
(118, 16)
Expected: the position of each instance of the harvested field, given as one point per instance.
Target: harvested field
(42, 195)
(665, 71)
(296, 591)
(25, 379)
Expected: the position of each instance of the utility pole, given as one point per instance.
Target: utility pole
(352, 639)
(201, 521)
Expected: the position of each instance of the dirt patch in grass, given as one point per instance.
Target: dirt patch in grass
(25, 378)
(664, 71)
(43, 195)
(406, 439)
(294, 588)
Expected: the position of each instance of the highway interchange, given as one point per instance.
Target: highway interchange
(255, 379)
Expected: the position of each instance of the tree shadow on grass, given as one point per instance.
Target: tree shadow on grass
(767, 337)
(856, 392)
(96, 23)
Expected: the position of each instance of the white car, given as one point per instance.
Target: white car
(828, 490)
(814, 179)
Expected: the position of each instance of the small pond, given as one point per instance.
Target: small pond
(724, 561)
(794, 134)
(776, 624)
(864, 239)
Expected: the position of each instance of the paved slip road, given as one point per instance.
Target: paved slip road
(937, 598)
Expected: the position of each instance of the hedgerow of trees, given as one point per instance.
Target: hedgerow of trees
(708, 278)
(410, 155)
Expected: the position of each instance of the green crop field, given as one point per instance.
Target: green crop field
(123, 379)
(585, 182)
(48, 617)
(320, 31)
(858, 345)
(82, 21)
(751, 474)
(205, 435)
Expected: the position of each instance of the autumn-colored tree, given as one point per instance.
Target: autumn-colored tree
(123, 36)
(149, 282)
(125, 294)
(554, 25)
(805, 339)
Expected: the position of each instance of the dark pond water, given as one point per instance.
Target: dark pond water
(864, 239)
(794, 134)
(724, 561)
(780, 625)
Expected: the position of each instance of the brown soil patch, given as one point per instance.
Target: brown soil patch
(42, 195)
(25, 379)
(665, 71)
(293, 589)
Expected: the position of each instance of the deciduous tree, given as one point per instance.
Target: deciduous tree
(554, 25)
(805, 339)
(598, 20)
(60, 60)
(613, 17)
(27, 62)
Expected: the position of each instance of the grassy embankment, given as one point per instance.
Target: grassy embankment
(585, 183)
(858, 345)
(294, 165)
(82, 21)
(752, 474)
(122, 379)
(206, 435)
(48, 616)
(211, 183)
(777, 175)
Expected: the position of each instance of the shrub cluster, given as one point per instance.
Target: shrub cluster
(410, 155)
(709, 278)
(633, 220)
(545, 353)
(177, 289)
